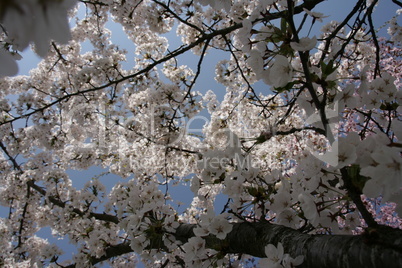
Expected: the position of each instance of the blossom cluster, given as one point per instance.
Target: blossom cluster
(32, 21)
(292, 100)
(277, 259)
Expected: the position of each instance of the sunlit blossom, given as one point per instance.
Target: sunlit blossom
(304, 44)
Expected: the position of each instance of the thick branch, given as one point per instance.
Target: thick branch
(381, 247)
(397, 2)
(356, 198)
(377, 247)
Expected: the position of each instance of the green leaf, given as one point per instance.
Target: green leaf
(260, 139)
(356, 179)
(389, 106)
(220, 179)
(252, 191)
(288, 87)
(286, 50)
(284, 26)
(327, 69)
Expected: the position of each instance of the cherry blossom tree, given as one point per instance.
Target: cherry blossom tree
(303, 145)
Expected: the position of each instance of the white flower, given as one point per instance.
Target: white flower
(171, 224)
(277, 259)
(274, 256)
(220, 227)
(347, 153)
(352, 220)
(289, 262)
(210, 100)
(309, 208)
(17, 22)
(201, 231)
(38, 22)
(288, 218)
(394, 30)
(397, 128)
(8, 66)
(316, 15)
(234, 184)
(304, 44)
(347, 97)
(280, 73)
(244, 34)
(194, 248)
(195, 184)
(217, 4)
(371, 100)
(397, 199)
(52, 25)
(139, 243)
(256, 62)
(282, 201)
(247, 25)
(385, 175)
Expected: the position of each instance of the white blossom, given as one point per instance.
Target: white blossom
(280, 73)
(220, 227)
(346, 152)
(316, 15)
(109, 142)
(397, 128)
(304, 44)
(218, 4)
(195, 249)
(387, 162)
(274, 256)
(309, 208)
(38, 22)
(256, 62)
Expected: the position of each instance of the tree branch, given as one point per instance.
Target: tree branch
(328, 251)
(397, 3)
(355, 196)
(271, 16)
(59, 203)
(110, 252)
(373, 33)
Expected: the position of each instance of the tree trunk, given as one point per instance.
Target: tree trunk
(381, 247)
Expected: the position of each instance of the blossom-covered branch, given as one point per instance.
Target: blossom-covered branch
(125, 150)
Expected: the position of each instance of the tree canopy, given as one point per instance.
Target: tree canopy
(296, 162)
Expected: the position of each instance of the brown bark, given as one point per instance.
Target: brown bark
(381, 247)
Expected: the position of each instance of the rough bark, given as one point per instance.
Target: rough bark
(381, 247)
